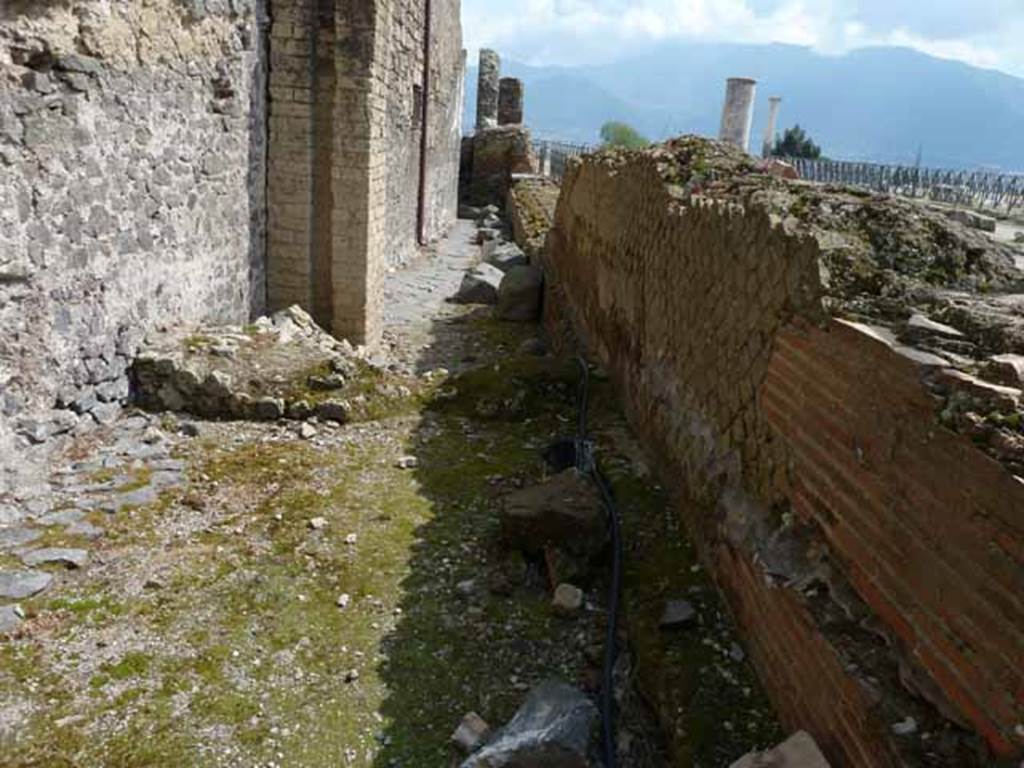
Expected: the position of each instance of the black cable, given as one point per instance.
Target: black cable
(586, 464)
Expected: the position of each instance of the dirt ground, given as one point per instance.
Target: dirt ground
(244, 596)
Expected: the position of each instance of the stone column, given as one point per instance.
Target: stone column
(487, 90)
(769, 130)
(738, 112)
(510, 101)
(545, 160)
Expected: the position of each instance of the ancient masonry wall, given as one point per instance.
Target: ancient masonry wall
(873, 558)
(132, 145)
(346, 148)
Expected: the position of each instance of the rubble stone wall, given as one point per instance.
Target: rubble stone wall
(132, 145)
(872, 557)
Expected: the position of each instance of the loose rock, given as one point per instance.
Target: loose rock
(568, 600)
(480, 285)
(552, 728)
(677, 613)
(520, 293)
(19, 585)
(471, 733)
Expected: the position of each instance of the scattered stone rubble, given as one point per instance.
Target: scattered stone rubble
(282, 366)
(506, 278)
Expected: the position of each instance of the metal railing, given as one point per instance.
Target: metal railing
(973, 189)
(555, 155)
(980, 190)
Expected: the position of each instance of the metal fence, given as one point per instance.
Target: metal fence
(974, 189)
(555, 155)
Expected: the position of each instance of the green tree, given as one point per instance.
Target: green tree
(796, 143)
(616, 134)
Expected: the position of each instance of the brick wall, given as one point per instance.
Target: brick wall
(928, 528)
(872, 557)
(347, 85)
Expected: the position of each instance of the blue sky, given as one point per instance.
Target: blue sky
(988, 33)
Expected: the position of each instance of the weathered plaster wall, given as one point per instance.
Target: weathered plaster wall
(872, 556)
(132, 139)
(345, 149)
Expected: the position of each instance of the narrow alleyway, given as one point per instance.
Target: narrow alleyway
(234, 593)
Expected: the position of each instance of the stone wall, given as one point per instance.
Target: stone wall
(872, 556)
(132, 140)
(346, 147)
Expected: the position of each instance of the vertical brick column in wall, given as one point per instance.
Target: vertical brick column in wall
(359, 172)
(291, 157)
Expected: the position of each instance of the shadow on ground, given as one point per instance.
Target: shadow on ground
(476, 630)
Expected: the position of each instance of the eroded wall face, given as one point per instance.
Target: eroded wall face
(346, 148)
(132, 145)
(872, 558)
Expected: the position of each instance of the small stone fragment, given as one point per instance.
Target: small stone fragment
(352, 675)
(333, 410)
(318, 523)
(798, 751)
(471, 733)
(307, 431)
(568, 600)
(10, 618)
(407, 462)
(351, 539)
(677, 613)
(343, 600)
(905, 727)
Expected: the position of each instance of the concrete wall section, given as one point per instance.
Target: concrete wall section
(132, 141)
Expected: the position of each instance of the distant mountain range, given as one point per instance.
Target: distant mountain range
(873, 104)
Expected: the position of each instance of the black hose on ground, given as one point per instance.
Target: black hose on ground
(587, 465)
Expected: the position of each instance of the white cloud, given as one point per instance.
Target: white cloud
(983, 32)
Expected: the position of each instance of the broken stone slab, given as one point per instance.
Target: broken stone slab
(553, 727)
(11, 617)
(17, 537)
(565, 511)
(85, 530)
(140, 497)
(984, 395)
(520, 294)
(62, 517)
(18, 585)
(70, 558)
(480, 285)
(1006, 370)
(504, 256)
(472, 732)
(919, 324)
(798, 751)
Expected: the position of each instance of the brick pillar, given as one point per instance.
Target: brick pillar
(487, 90)
(290, 155)
(510, 101)
(327, 169)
